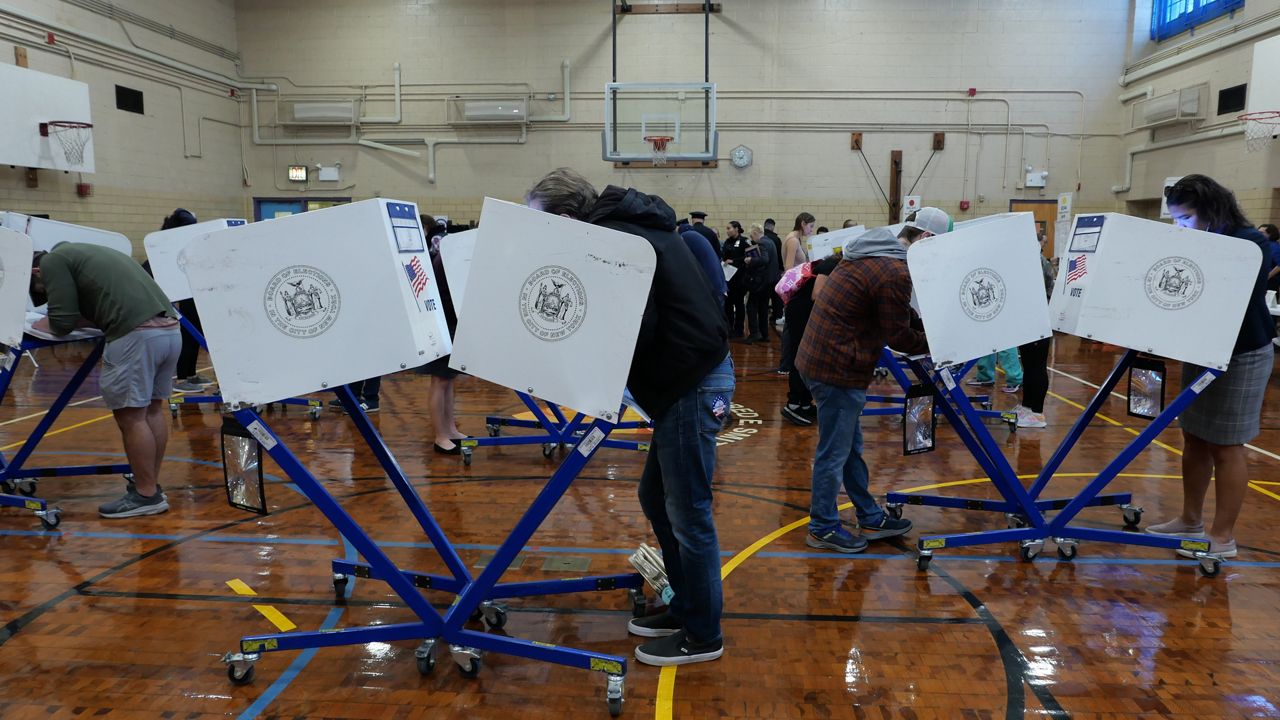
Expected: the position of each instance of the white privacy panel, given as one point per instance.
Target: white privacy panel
(164, 248)
(1150, 286)
(456, 251)
(980, 288)
(45, 234)
(316, 300)
(820, 246)
(15, 281)
(557, 311)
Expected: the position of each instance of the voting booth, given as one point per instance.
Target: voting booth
(18, 482)
(1145, 286)
(164, 249)
(277, 296)
(45, 233)
(558, 307)
(314, 301)
(820, 246)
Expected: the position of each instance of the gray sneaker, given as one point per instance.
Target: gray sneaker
(186, 386)
(133, 505)
(199, 380)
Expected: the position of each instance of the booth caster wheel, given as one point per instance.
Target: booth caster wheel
(50, 518)
(613, 695)
(468, 660)
(494, 615)
(314, 413)
(340, 583)
(923, 560)
(240, 667)
(639, 603)
(894, 510)
(1210, 565)
(880, 373)
(548, 449)
(425, 656)
(1132, 516)
(466, 456)
(494, 429)
(173, 410)
(1067, 548)
(1029, 549)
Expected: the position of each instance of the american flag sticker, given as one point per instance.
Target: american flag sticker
(1076, 268)
(417, 276)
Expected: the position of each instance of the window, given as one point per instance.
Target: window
(128, 99)
(1170, 17)
(1231, 100)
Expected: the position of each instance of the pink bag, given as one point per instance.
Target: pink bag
(792, 280)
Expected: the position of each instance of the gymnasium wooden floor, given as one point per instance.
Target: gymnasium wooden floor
(128, 619)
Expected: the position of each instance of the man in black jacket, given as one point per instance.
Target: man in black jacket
(698, 221)
(682, 376)
(771, 236)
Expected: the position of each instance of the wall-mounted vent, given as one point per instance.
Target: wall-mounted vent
(1185, 105)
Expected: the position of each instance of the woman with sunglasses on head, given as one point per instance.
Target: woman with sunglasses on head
(1217, 424)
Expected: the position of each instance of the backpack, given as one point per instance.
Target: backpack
(793, 279)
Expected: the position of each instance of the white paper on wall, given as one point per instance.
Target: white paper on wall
(558, 316)
(316, 300)
(15, 280)
(980, 288)
(1146, 285)
(456, 251)
(164, 248)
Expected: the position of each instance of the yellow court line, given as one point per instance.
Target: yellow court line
(240, 587)
(1264, 491)
(276, 617)
(100, 418)
(1265, 482)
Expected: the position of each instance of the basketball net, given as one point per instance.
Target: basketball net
(658, 155)
(73, 137)
(1260, 129)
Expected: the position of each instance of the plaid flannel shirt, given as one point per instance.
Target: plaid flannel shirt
(864, 305)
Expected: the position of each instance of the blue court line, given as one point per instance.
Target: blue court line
(261, 540)
(303, 658)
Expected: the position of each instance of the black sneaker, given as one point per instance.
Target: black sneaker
(133, 505)
(810, 411)
(370, 406)
(675, 649)
(653, 626)
(795, 415)
(838, 539)
(887, 528)
(336, 404)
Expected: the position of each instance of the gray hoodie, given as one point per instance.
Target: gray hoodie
(878, 242)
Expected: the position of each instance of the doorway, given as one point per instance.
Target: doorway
(1046, 215)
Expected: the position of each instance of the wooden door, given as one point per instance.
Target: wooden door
(1046, 214)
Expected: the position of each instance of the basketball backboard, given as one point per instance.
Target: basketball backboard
(31, 98)
(683, 112)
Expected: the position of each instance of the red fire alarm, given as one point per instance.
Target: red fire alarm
(964, 204)
(84, 189)
(49, 39)
(973, 92)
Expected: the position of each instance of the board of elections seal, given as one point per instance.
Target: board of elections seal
(552, 303)
(302, 301)
(1174, 283)
(982, 294)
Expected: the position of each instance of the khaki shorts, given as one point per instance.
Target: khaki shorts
(139, 367)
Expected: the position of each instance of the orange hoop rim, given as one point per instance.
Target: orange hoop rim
(1267, 117)
(659, 142)
(69, 124)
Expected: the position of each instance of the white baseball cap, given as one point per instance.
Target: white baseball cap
(931, 219)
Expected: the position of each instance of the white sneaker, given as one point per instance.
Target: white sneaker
(1032, 420)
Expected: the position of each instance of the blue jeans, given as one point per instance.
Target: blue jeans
(986, 367)
(675, 493)
(839, 457)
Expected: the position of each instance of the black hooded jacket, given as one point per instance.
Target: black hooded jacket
(683, 334)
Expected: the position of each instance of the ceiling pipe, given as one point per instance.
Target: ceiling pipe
(564, 116)
(393, 119)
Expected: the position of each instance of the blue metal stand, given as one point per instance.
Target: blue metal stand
(474, 595)
(891, 365)
(557, 430)
(1026, 511)
(14, 475)
(314, 407)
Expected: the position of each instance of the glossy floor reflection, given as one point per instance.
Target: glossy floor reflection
(128, 619)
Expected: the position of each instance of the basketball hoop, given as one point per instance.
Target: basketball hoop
(659, 143)
(1260, 129)
(71, 135)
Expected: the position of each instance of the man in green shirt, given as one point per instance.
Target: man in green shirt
(91, 285)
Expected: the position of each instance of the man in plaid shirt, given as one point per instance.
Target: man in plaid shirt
(864, 305)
